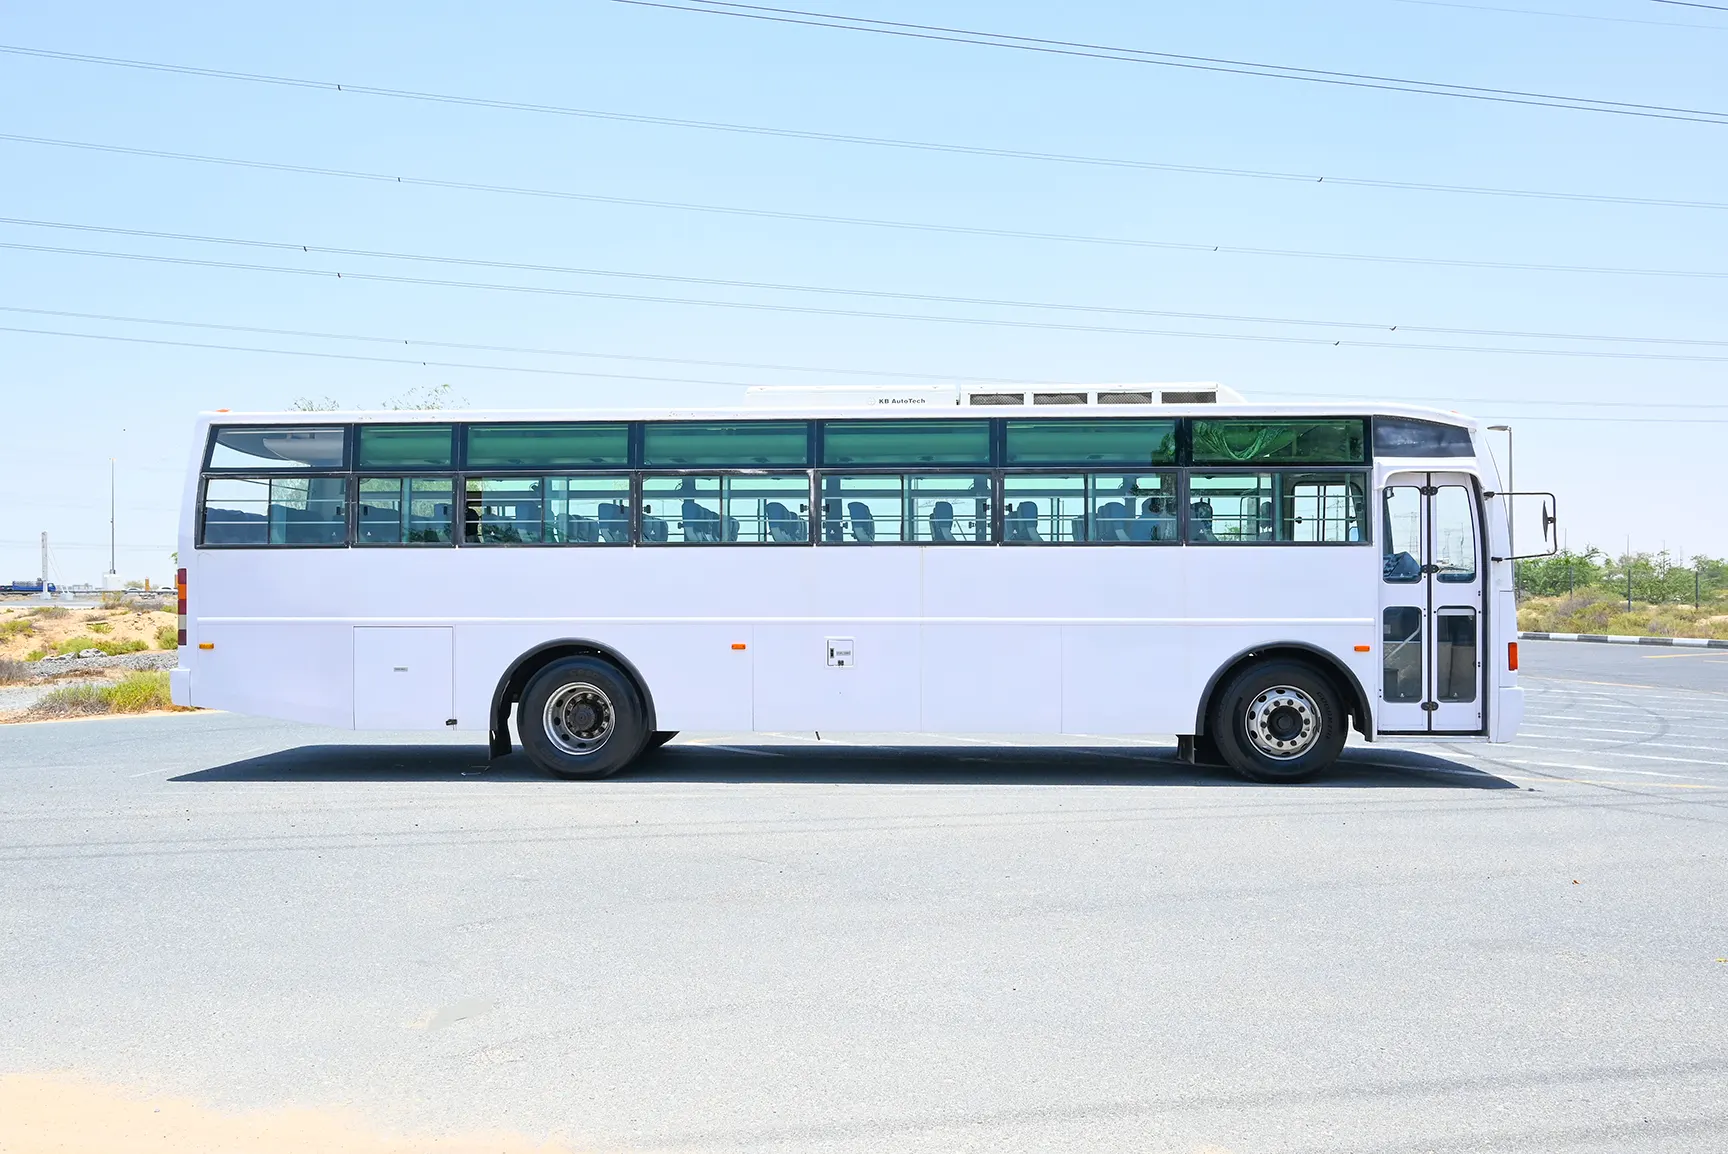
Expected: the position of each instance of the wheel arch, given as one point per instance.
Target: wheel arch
(515, 679)
(1326, 664)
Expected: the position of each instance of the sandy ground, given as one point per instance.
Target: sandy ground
(60, 1114)
(40, 630)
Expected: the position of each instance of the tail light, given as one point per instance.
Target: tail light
(1512, 656)
(180, 606)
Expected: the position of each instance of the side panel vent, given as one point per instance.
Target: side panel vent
(1058, 398)
(1142, 398)
(1190, 398)
(998, 398)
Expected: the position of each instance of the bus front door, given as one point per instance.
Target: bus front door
(1431, 605)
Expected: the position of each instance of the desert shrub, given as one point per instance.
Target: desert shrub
(12, 672)
(36, 655)
(109, 646)
(167, 637)
(135, 693)
(71, 701)
(16, 627)
(99, 626)
(48, 612)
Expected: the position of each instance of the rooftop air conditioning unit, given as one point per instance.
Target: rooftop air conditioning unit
(1184, 393)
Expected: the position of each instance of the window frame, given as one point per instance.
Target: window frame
(350, 446)
(1364, 472)
(1179, 488)
(203, 508)
(464, 465)
(458, 492)
(458, 446)
(639, 477)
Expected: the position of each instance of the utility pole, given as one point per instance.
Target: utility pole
(1511, 525)
(44, 562)
(113, 569)
(1628, 574)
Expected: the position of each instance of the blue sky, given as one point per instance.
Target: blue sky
(1632, 451)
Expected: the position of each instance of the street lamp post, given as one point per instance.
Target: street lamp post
(1511, 525)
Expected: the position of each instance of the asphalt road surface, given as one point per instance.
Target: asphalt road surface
(769, 944)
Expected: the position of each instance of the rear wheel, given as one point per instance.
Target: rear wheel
(1278, 721)
(581, 717)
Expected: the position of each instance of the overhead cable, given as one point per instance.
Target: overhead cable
(1161, 59)
(790, 134)
(827, 290)
(811, 310)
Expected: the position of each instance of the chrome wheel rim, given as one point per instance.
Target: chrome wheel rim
(1283, 722)
(579, 718)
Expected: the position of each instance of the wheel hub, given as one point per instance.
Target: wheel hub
(579, 718)
(1283, 722)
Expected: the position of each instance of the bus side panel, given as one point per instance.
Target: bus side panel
(992, 678)
(1125, 679)
(296, 671)
(871, 684)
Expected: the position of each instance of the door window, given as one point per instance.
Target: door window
(1454, 654)
(1401, 510)
(1401, 643)
(1454, 535)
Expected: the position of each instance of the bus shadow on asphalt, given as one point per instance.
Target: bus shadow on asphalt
(840, 764)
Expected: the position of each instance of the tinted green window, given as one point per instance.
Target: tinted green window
(729, 445)
(936, 442)
(548, 446)
(405, 446)
(1091, 442)
(1341, 442)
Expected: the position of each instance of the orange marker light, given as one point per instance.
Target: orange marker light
(737, 645)
(1512, 656)
(1364, 648)
(206, 645)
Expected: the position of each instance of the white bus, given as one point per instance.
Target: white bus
(1256, 580)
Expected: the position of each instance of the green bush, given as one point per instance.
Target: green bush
(36, 655)
(135, 693)
(167, 637)
(109, 647)
(99, 626)
(17, 627)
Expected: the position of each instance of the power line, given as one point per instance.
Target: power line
(530, 350)
(1497, 401)
(828, 290)
(810, 310)
(786, 133)
(1561, 15)
(1163, 245)
(1181, 60)
(1689, 4)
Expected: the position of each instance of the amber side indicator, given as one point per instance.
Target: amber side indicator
(206, 645)
(1512, 656)
(737, 645)
(1364, 648)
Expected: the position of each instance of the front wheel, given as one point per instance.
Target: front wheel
(580, 717)
(658, 738)
(1278, 721)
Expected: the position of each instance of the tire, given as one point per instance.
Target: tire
(658, 738)
(581, 717)
(1279, 721)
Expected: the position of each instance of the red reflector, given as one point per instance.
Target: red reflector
(1512, 656)
(180, 597)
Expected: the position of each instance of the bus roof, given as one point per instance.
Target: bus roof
(882, 412)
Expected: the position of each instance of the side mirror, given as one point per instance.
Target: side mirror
(1531, 519)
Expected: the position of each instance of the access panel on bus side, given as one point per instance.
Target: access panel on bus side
(861, 676)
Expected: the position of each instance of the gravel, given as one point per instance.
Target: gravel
(52, 667)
